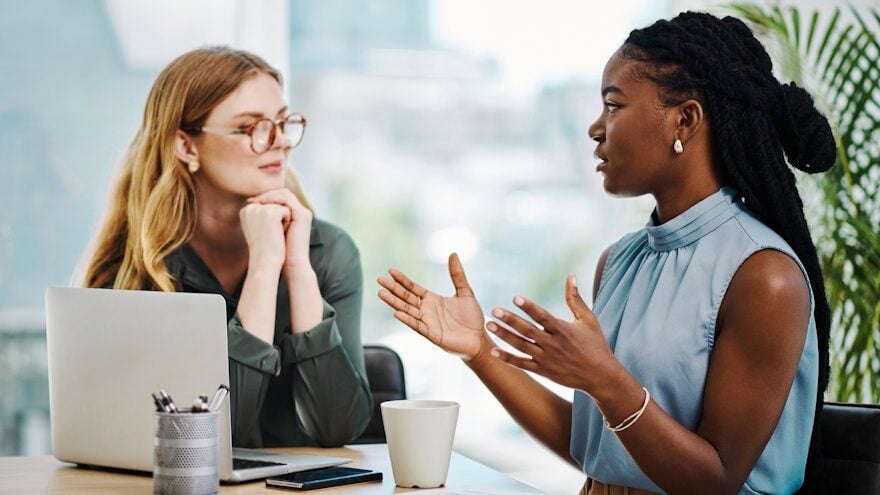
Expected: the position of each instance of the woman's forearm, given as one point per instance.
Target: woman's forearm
(256, 306)
(306, 305)
(540, 412)
(675, 458)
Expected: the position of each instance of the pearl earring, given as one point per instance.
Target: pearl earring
(677, 147)
(193, 166)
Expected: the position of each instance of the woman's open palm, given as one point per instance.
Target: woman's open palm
(453, 323)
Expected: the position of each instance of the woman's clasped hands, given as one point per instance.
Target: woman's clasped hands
(277, 229)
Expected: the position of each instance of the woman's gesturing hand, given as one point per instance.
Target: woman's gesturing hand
(453, 323)
(263, 227)
(571, 353)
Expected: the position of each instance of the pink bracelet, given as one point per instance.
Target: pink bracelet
(631, 419)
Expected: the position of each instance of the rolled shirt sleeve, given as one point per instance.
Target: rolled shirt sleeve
(249, 350)
(323, 338)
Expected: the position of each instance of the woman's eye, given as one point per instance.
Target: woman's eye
(610, 105)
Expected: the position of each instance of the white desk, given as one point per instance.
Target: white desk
(45, 474)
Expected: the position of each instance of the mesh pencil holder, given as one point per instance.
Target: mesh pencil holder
(185, 453)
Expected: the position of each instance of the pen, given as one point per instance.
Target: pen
(169, 402)
(160, 407)
(219, 395)
(203, 403)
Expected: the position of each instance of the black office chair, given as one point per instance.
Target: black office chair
(850, 451)
(385, 374)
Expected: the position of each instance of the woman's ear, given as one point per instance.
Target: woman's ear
(185, 147)
(689, 119)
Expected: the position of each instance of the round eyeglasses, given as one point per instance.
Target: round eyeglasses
(263, 131)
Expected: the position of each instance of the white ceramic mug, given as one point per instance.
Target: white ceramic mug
(420, 435)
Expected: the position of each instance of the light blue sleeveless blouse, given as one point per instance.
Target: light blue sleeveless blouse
(657, 303)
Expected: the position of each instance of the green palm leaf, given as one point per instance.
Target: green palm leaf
(837, 57)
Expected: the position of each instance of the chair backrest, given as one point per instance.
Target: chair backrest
(850, 451)
(385, 374)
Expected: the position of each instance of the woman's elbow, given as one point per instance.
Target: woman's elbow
(350, 426)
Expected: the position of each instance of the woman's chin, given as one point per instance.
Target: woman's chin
(610, 186)
(619, 190)
(264, 185)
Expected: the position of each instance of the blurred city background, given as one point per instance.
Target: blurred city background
(434, 126)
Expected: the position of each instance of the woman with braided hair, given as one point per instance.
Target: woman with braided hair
(701, 366)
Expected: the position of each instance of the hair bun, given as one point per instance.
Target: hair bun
(804, 132)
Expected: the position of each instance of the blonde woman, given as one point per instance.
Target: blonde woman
(206, 203)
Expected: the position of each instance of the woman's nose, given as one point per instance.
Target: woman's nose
(282, 140)
(596, 131)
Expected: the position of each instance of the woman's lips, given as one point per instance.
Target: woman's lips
(273, 167)
(603, 161)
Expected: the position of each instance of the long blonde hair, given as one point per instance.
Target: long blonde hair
(152, 208)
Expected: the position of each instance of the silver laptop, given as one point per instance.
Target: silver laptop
(110, 349)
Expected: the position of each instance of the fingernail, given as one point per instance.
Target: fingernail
(491, 327)
(573, 281)
(519, 301)
(497, 313)
(495, 353)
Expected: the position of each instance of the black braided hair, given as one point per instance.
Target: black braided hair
(754, 120)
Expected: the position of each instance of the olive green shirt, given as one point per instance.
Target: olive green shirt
(304, 389)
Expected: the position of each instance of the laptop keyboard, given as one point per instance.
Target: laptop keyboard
(239, 464)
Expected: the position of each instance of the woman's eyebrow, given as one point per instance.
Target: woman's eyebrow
(259, 115)
(249, 114)
(611, 89)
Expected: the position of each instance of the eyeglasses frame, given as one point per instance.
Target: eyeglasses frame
(294, 118)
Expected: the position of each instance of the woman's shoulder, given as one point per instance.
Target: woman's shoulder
(621, 253)
(759, 234)
(332, 251)
(628, 246)
(331, 236)
(335, 258)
